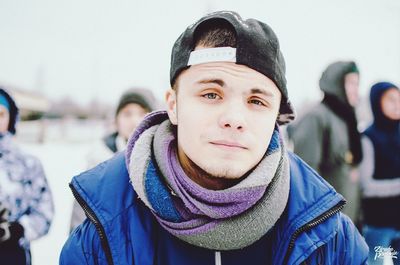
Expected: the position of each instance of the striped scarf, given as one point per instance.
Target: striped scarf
(227, 219)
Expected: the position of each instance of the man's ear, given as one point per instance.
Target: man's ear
(171, 99)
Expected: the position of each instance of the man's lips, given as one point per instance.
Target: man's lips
(228, 144)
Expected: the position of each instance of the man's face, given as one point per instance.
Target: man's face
(390, 103)
(4, 119)
(351, 85)
(225, 116)
(129, 118)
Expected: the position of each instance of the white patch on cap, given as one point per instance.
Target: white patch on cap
(220, 54)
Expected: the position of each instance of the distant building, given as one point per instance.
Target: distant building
(32, 105)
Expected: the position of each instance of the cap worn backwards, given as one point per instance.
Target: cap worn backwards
(257, 47)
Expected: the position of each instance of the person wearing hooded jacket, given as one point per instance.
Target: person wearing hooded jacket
(209, 181)
(327, 138)
(26, 205)
(380, 173)
(133, 105)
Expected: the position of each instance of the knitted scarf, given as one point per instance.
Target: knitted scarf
(225, 219)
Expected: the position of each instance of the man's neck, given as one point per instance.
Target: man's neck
(202, 178)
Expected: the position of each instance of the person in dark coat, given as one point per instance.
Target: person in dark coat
(327, 138)
(380, 173)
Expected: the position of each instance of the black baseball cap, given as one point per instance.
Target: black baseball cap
(257, 47)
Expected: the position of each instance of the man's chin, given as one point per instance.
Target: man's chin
(227, 173)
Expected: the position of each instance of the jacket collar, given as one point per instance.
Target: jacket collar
(310, 197)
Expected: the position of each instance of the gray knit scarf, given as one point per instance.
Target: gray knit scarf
(227, 219)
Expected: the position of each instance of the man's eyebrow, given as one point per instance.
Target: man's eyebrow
(261, 91)
(221, 83)
(212, 80)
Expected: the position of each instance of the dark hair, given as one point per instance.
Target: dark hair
(213, 33)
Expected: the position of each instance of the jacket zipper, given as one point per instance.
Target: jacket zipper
(318, 220)
(99, 227)
(218, 260)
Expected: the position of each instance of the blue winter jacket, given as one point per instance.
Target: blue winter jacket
(120, 229)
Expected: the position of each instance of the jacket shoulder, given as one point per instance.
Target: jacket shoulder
(109, 179)
(305, 177)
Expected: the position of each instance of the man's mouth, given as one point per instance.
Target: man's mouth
(228, 144)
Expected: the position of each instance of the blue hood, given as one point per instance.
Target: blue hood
(380, 120)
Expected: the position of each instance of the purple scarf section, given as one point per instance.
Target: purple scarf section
(201, 201)
(204, 215)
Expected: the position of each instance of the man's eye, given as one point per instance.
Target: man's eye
(211, 96)
(256, 102)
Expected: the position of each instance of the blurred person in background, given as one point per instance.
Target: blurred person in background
(327, 137)
(380, 172)
(132, 107)
(26, 206)
(209, 181)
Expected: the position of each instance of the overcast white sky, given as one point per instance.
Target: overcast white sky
(97, 48)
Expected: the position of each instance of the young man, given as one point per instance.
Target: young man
(327, 138)
(209, 181)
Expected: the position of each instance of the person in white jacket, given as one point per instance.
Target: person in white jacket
(132, 107)
(26, 205)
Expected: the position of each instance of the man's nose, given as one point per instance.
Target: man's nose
(233, 117)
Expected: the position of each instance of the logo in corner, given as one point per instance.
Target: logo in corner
(381, 252)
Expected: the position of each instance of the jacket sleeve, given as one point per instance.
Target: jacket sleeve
(37, 219)
(83, 247)
(354, 250)
(307, 138)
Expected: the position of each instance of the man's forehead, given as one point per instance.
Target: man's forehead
(227, 72)
(225, 68)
